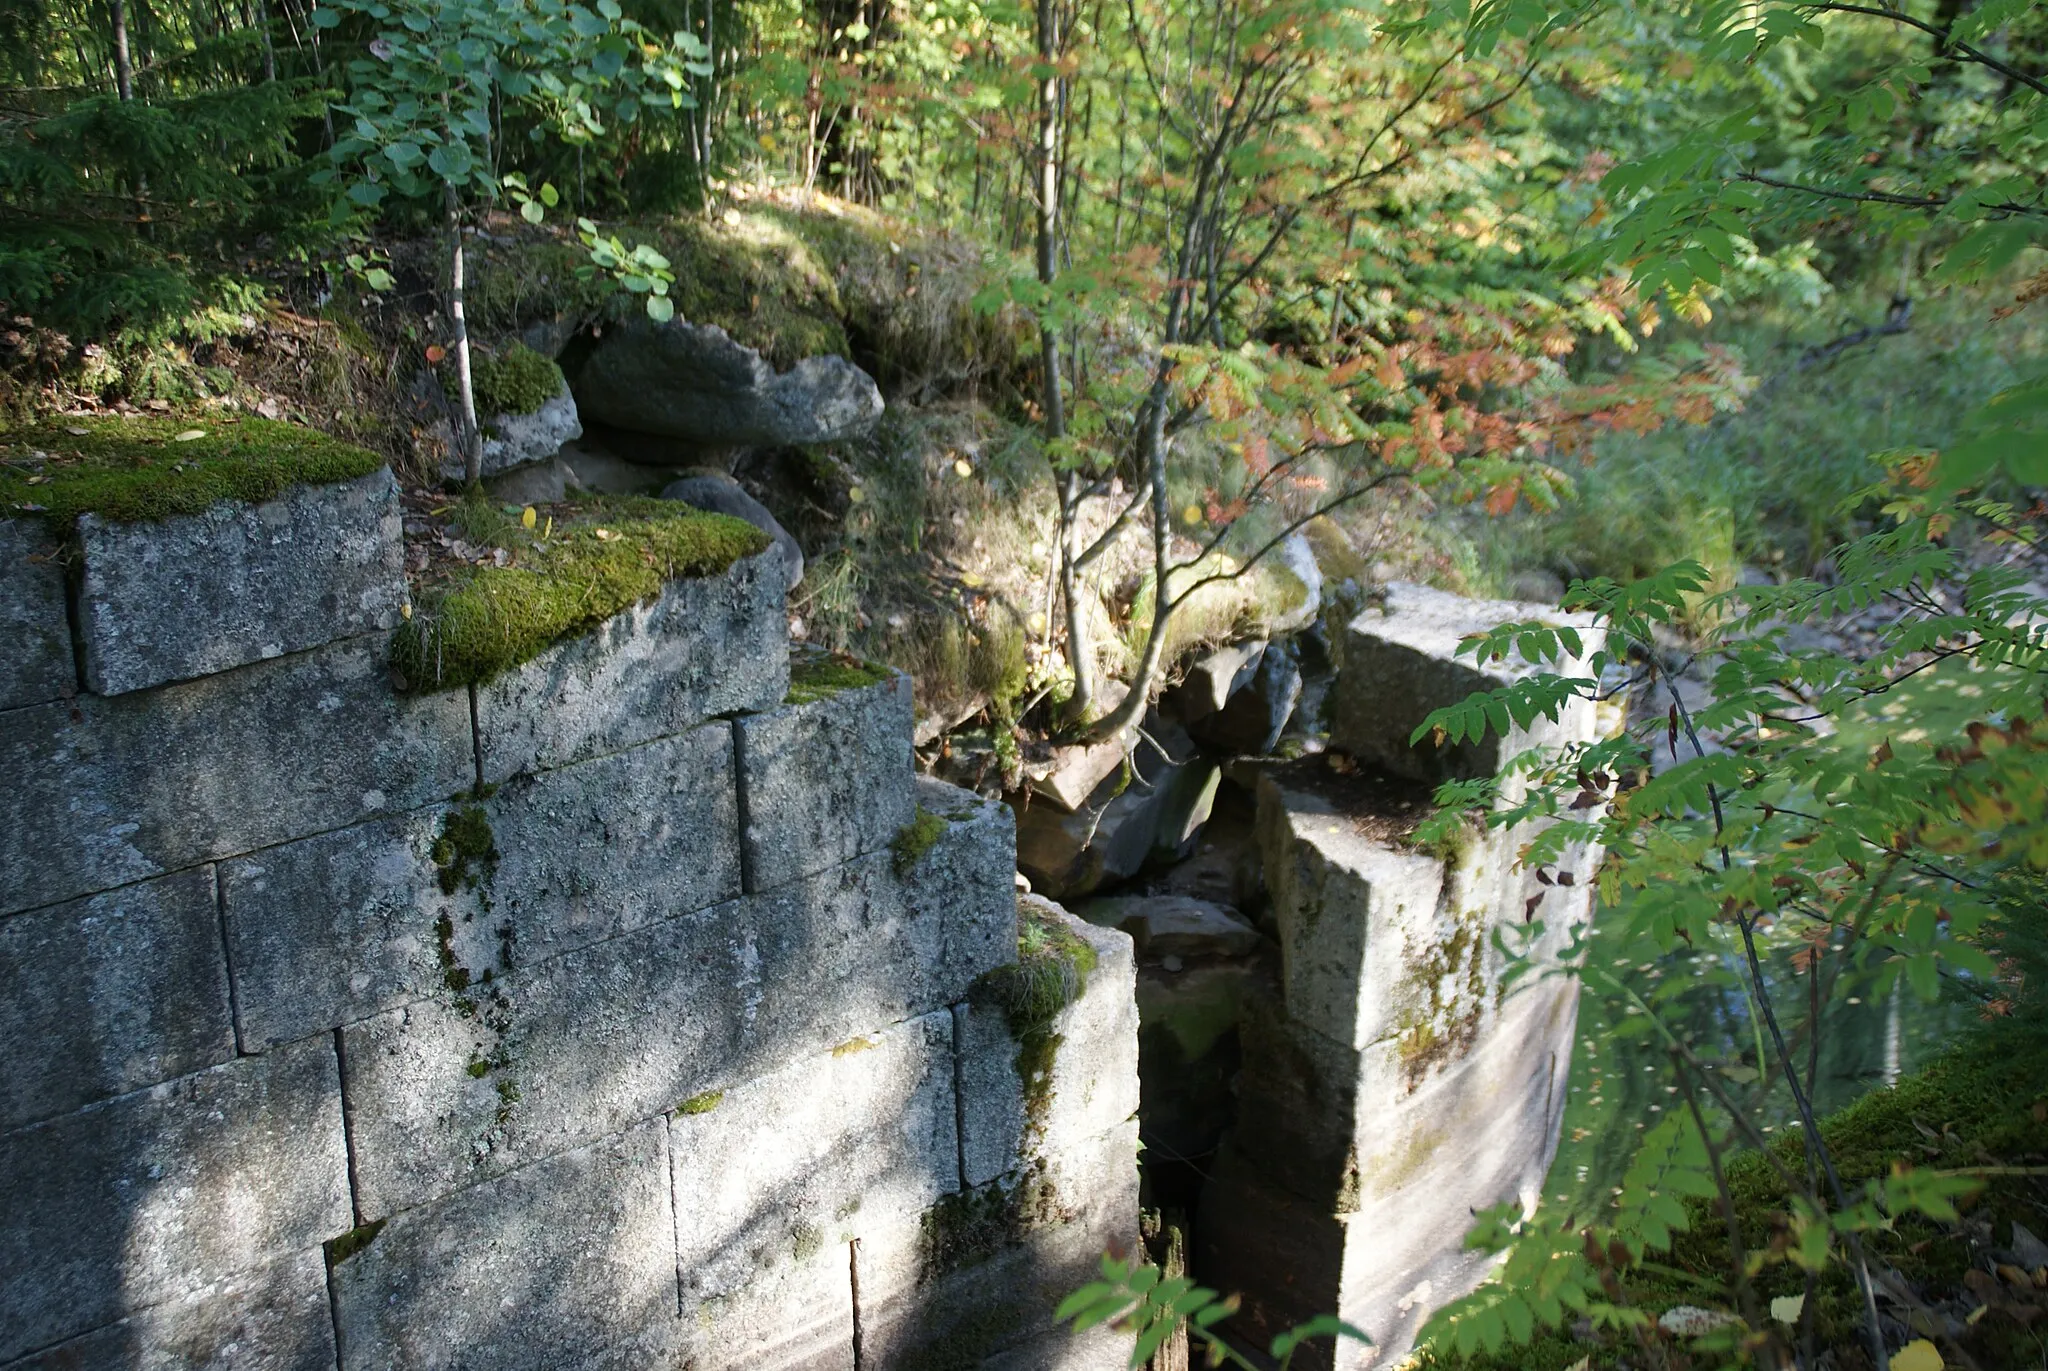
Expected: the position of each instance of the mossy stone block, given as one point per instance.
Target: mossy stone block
(102, 792)
(708, 645)
(339, 927)
(267, 1318)
(185, 596)
(568, 1263)
(1023, 1103)
(961, 893)
(825, 780)
(109, 994)
(792, 1167)
(153, 1196)
(33, 620)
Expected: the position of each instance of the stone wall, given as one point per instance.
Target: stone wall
(597, 1016)
(1398, 1083)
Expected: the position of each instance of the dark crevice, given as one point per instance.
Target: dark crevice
(749, 883)
(227, 961)
(348, 1132)
(476, 740)
(853, 1278)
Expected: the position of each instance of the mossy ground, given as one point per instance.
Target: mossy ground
(564, 577)
(1984, 1104)
(136, 469)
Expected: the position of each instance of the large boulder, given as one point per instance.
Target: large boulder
(1152, 812)
(693, 382)
(722, 495)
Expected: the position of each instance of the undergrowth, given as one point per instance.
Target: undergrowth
(1982, 1106)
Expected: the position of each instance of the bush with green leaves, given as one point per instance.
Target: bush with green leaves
(424, 105)
(1153, 1307)
(1885, 809)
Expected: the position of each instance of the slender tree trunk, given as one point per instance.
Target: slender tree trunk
(269, 47)
(124, 66)
(470, 433)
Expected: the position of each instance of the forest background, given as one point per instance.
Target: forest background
(1715, 319)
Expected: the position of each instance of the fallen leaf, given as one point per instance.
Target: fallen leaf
(435, 352)
(605, 535)
(856, 495)
(189, 434)
(962, 467)
(528, 517)
(1918, 1355)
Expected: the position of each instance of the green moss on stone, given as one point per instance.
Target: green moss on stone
(808, 1241)
(466, 852)
(517, 380)
(135, 470)
(614, 555)
(701, 1104)
(916, 839)
(1052, 967)
(339, 1250)
(820, 676)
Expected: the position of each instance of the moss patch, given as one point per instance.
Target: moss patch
(339, 1250)
(134, 470)
(517, 380)
(1051, 969)
(466, 853)
(702, 1104)
(563, 581)
(915, 840)
(820, 676)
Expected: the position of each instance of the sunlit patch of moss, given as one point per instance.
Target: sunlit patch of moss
(466, 852)
(703, 1103)
(819, 676)
(134, 470)
(916, 839)
(489, 619)
(1052, 967)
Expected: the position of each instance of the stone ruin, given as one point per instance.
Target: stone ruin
(597, 1016)
(629, 1010)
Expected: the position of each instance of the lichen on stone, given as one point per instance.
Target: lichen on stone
(566, 579)
(701, 1103)
(517, 380)
(916, 839)
(136, 470)
(1442, 1000)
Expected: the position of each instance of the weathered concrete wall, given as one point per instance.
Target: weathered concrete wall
(1398, 1083)
(593, 1017)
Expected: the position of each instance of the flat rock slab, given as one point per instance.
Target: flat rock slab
(268, 1318)
(709, 645)
(109, 994)
(1399, 663)
(33, 620)
(692, 381)
(153, 1196)
(563, 1265)
(200, 593)
(1176, 925)
(97, 793)
(826, 781)
(336, 928)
